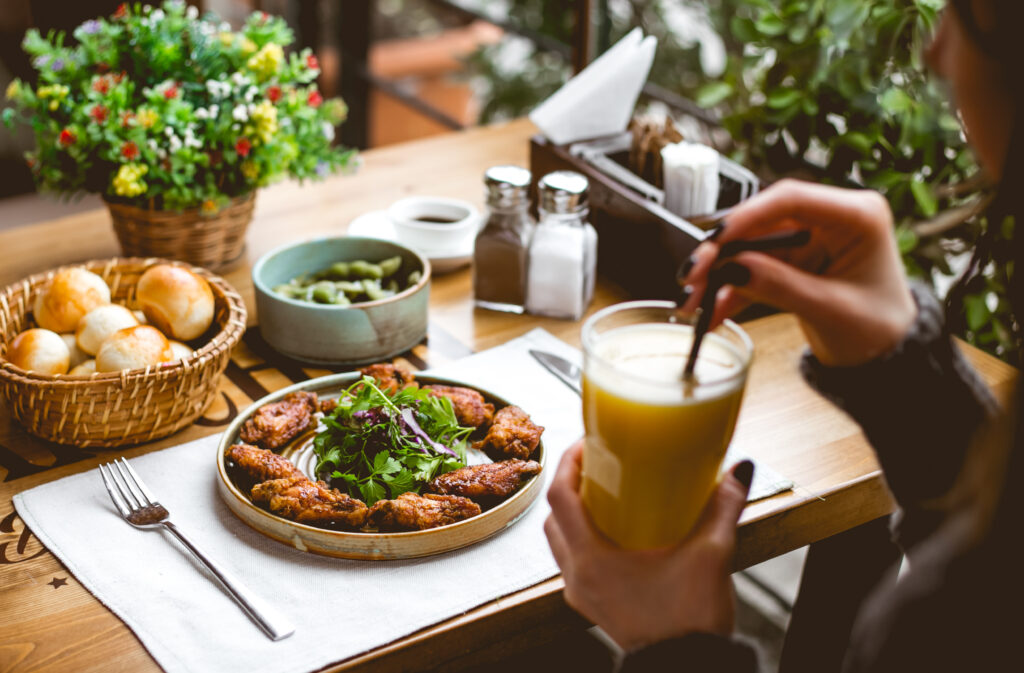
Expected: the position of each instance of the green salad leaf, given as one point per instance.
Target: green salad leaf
(379, 444)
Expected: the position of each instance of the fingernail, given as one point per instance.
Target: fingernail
(685, 294)
(716, 231)
(733, 273)
(744, 473)
(685, 268)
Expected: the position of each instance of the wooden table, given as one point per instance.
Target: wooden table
(48, 622)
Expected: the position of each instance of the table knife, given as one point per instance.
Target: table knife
(563, 370)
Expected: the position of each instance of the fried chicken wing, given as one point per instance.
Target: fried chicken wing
(469, 405)
(390, 378)
(250, 465)
(310, 502)
(512, 434)
(275, 424)
(410, 511)
(487, 483)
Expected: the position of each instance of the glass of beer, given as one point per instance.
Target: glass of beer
(654, 442)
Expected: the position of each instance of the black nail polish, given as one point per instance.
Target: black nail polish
(744, 473)
(733, 273)
(686, 267)
(715, 232)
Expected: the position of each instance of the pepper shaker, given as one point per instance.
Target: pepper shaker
(500, 250)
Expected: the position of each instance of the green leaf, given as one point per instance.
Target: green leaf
(783, 98)
(925, 198)
(976, 311)
(770, 24)
(859, 141)
(895, 101)
(906, 239)
(713, 93)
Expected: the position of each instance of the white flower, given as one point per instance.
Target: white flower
(169, 131)
(161, 153)
(202, 113)
(250, 93)
(156, 15)
(239, 79)
(192, 12)
(174, 144)
(328, 130)
(225, 27)
(240, 113)
(214, 111)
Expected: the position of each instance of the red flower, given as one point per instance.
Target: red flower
(315, 98)
(171, 92)
(312, 63)
(263, 17)
(31, 161)
(67, 138)
(274, 94)
(101, 85)
(126, 118)
(99, 113)
(121, 11)
(130, 151)
(243, 146)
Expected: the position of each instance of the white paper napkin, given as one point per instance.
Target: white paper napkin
(599, 101)
(341, 608)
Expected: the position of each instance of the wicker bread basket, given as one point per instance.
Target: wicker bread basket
(189, 236)
(117, 408)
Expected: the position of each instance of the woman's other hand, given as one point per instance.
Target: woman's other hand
(847, 285)
(642, 597)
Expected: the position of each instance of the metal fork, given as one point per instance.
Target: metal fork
(139, 508)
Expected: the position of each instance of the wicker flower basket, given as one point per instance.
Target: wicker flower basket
(213, 242)
(117, 408)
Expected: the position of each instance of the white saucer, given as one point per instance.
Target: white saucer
(376, 224)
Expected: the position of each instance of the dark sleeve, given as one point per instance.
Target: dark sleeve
(919, 406)
(701, 652)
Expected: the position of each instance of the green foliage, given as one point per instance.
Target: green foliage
(160, 108)
(831, 89)
(378, 442)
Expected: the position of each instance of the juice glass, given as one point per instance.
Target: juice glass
(654, 444)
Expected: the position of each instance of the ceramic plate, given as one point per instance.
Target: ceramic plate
(367, 546)
(377, 225)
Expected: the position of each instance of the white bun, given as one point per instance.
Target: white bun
(141, 317)
(133, 348)
(176, 301)
(85, 369)
(99, 324)
(71, 294)
(181, 351)
(78, 356)
(41, 351)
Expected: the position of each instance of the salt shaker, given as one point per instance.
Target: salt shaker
(563, 253)
(499, 253)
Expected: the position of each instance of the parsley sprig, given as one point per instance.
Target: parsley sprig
(377, 443)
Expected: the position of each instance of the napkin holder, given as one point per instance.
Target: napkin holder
(640, 242)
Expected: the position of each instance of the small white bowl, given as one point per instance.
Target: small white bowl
(431, 224)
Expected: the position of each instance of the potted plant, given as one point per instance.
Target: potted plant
(177, 121)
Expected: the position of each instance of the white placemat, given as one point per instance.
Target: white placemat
(340, 608)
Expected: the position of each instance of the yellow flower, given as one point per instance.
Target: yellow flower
(13, 89)
(250, 170)
(248, 46)
(227, 39)
(128, 181)
(266, 61)
(209, 207)
(56, 92)
(264, 120)
(147, 117)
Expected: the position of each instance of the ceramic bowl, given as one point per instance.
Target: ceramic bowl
(432, 224)
(343, 335)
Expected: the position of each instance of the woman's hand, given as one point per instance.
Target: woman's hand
(641, 597)
(846, 286)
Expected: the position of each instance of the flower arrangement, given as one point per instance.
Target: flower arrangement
(164, 109)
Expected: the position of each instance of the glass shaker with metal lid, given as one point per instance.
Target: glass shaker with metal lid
(562, 260)
(499, 254)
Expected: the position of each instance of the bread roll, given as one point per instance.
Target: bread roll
(97, 325)
(78, 356)
(181, 351)
(85, 369)
(41, 351)
(176, 301)
(133, 348)
(71, 294)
